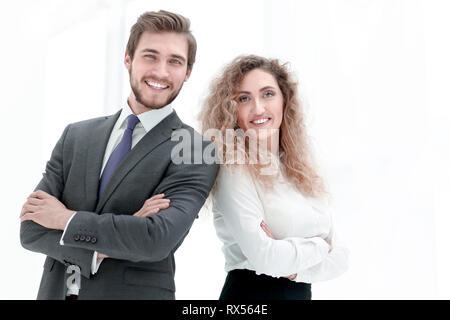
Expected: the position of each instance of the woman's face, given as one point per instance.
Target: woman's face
(260, 103)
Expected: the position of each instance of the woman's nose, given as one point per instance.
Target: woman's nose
(259, 107)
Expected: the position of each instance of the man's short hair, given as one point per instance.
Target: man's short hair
(162, 21)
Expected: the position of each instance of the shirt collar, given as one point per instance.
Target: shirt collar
(148, 119)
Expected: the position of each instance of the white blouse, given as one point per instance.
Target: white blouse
(305, 240)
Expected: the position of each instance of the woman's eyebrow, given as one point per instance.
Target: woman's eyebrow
(266, 87)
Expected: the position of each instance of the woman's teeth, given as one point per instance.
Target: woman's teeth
(260, 121)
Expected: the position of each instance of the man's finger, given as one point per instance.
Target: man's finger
(23, 211)
(40, 195)
(27, 216)
(102, 256)
(160, 206)
(155, 203)
(151, 205)
(30, 208)
(138, 214)
(157, 196)
(35, 201)
(149, 212)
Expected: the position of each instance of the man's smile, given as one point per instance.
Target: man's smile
(156, 85)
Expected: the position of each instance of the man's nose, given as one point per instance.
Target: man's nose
(161, 70)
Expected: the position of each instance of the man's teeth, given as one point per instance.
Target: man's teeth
(260, 121)
(156, 85)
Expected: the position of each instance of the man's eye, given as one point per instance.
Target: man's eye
(150, 56)
(243, 99)
(175, 61)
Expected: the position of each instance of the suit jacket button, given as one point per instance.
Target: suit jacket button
(88, 239)
(82, 238)
(93, 240)
(76, 237)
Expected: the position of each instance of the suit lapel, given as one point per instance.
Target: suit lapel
(94, 159)
(160, 133)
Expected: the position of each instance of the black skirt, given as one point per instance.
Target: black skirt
(247, 285)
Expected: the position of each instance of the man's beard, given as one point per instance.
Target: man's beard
(138, 94)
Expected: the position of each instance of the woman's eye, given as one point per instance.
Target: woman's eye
(269, 94)
(243, 99)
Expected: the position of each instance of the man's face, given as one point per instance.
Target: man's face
(158, 69)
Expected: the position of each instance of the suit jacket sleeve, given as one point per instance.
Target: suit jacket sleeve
(152, 238)
(37, 238)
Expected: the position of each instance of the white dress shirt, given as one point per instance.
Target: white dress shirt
(305, 240)
(147, 121)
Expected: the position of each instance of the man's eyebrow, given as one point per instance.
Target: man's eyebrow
(150, 50)
(177, 56)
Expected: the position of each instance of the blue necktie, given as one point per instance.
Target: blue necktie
(118, 154)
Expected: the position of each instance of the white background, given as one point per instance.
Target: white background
(374, 76)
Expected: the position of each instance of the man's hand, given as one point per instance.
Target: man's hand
(46, 210)
(151, 206)
(270, 235)
(101, 256)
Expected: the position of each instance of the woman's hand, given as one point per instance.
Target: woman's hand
(266, 229)
(270, 235)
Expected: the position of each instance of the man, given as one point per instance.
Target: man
(91, 213)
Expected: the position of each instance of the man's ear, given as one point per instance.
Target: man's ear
(188, 74)
(127, 61)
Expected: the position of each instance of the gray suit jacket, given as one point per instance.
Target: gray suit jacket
(141, 250)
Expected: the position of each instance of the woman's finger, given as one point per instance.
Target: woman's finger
(266, 230)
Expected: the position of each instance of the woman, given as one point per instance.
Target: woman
(277, 236)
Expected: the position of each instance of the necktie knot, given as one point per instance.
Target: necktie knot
(132, 122)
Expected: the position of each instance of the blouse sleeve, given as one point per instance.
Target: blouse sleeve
(238, 202)
(335, 263)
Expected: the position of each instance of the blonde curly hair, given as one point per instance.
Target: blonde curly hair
(219, 111)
